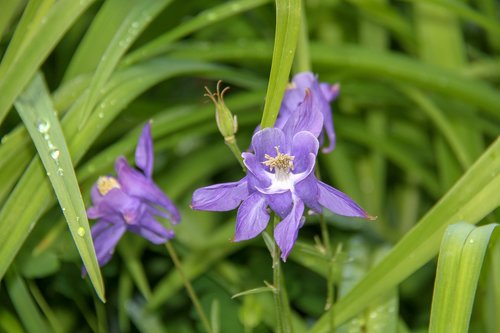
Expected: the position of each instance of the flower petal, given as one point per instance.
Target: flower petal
(264, 141)
(338, 202)
(330, 91)
(152, 230)
(220, 197)
(117, 206)
(304, 118)
(286, 231)
(280, 203)
(307, 190)
(257, 175)
(303, 144)
(137, 185)
(144, 156)
(252, 217)
(106, 235)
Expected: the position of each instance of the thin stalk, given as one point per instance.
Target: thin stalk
(189, 287)
(233, 146)
(283, 315)
(302, 61)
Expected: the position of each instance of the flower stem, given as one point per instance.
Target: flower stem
(233, 146)
(189, 287)
(302, 61)
(283, 314)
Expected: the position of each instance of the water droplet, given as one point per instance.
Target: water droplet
(80, 232)
(471, 241)
(4, 139)
(51, 145)
(63, 209)
(55, 154)
(43, 126)
(211, 17)
(135, 25)
(48, 174)
(100, 115)
(60, 172)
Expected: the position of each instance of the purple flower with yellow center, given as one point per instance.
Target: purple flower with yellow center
(322, 95)
(131, 201)
(280, 176)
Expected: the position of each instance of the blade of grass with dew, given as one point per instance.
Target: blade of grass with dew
(17, 219)
(36, 111)
(137, 19)
(461, 257)
(16, 73)
(209, 16)
(24, 304)
(382, 314)
(288, 14)
(470, 199)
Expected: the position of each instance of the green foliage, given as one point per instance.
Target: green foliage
(417, 125)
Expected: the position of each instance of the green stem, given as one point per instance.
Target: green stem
(189, 287)
(233, 146)
(303, 58)
(285, 43)
(283, 315)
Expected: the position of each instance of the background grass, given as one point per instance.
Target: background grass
(417, 125)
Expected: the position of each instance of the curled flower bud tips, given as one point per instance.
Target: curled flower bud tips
(226, 122)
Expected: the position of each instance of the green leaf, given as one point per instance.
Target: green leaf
(36, 110)
(470, 199)
(202, 20)
(25, 305)
(461, 257)
(134, 23)
(32, 48)
(288, 14)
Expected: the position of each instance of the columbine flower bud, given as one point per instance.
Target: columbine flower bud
(226, 122)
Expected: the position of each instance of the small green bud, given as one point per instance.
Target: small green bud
(226, 122)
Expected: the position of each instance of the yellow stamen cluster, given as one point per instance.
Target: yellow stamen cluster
(106, 184)
(282, 162)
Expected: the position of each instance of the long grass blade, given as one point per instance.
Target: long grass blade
(461, 257)
(473, 197)
(36, 110)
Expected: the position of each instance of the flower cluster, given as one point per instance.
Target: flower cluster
(131, 201)
(281, 170)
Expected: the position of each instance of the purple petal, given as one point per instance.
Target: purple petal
(117, 206)
(307, 190)
(137, 185)
(144, 156)
(280, 203)
(338, 202)
(286, 231)
(220, 197)
(252, 217)
(152, 230)
(95, 195)
(257, 175)
(330, 133)
(106, 235)
(330, 92)
(304, 118)
(303, 144)
(264, 141)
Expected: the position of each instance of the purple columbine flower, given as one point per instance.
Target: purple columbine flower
(131, 201)
(322, 95)
(280, 176)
